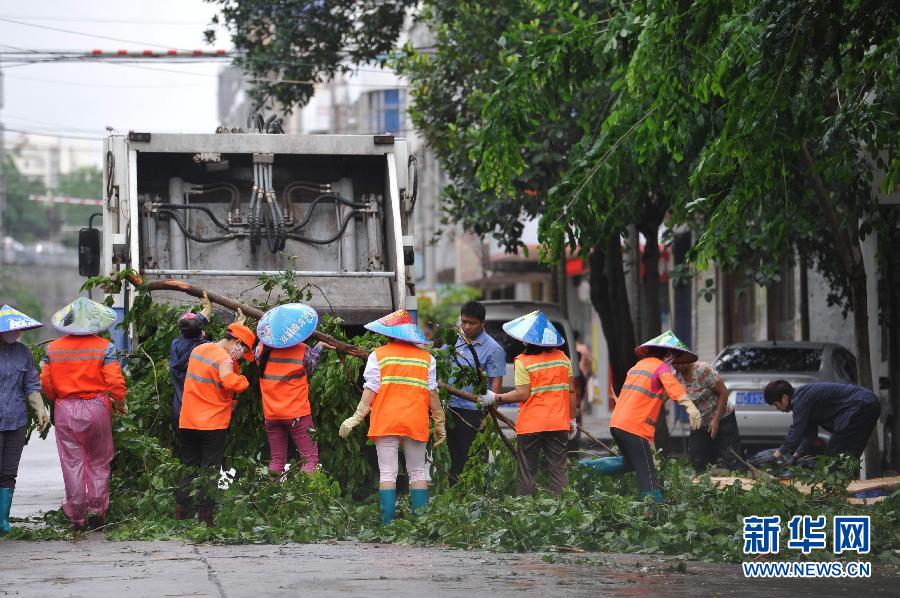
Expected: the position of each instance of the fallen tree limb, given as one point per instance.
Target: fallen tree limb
(254, 312)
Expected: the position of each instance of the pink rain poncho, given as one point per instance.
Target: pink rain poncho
(85, 444)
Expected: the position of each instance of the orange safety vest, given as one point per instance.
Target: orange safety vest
(547, 407)
(283, 384)
(638, 407)
(400, 407)
(205, 403)
(74, 368)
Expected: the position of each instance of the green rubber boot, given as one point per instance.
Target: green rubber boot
(418, 498)
(6, 495)
(605, 465)
(387, 499)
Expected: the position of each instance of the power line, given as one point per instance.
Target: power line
(112, 21)
(61, 135)
(105, 85)
(115, 39)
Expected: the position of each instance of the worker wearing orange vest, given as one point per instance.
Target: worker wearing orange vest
(640, 405)
(81, 375)
(213, 378)
(546, 394)
(285, 364)
(400, 388)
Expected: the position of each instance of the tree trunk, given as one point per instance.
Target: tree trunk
(610, 301)
(851, 257)
(651, 318)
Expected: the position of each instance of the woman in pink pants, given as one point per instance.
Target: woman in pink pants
(285, 363)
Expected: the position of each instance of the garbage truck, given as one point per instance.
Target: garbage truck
(219, 210)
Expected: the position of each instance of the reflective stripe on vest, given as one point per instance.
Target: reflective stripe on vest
(206, 404)
(638, 407)
(400, 407)
(547, 407)
(284, 385)
(76, 365)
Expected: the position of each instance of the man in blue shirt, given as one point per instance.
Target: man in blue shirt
(848, 411)
(465, 415)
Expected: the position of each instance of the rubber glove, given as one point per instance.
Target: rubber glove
(762, 457)
(694, 417)
(41, 411)
(487, 399)
(354, 420)
(206, 307)
(440, 427)
(240, 318)
(573, 428)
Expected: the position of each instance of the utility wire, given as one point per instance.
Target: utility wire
(94, 35)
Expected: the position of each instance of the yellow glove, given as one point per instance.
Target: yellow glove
(120, 408)
(354, 420)
(240, 318)
(206, 307)
(694, 417)
(41, 411)
(440, 427)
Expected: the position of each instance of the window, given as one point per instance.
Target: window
(844, 366)
(769, 359)
(385, 114)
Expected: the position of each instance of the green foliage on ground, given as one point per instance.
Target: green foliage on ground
(338, 502)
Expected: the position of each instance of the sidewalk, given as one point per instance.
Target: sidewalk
(39, 485)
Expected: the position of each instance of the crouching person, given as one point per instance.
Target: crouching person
(213, 378)
(400, 388)
(81, 375)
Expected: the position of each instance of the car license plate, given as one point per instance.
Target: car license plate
(749, 398)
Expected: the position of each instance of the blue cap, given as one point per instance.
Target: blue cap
(534, 329)
(12, 319)
(287, 325)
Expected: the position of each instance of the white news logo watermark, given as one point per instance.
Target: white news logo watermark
(850, 533)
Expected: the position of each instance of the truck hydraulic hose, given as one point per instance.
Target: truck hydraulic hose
(321, 198)
(344, 223)
(187, 233)
(216, 221)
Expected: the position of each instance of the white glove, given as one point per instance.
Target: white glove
(487, 399)
(573, 428)
(696, 420)
(41, 412)
(354, 420)
(239, 317)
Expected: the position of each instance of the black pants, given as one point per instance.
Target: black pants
(529, 447)
(11, 444)
(852, 440)
(703, 450)
(460, 437)
(200, 450)
(638, 457)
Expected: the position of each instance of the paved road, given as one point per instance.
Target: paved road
(39, 485)
(95, 567)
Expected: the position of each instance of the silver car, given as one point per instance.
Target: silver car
(746, 368)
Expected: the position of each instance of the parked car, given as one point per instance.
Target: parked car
(499, 312)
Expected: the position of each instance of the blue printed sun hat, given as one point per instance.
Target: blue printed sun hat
(398, 325)
(534, 329)
(287, 325)
(83, 316)
(11, 319)
(667, 340)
